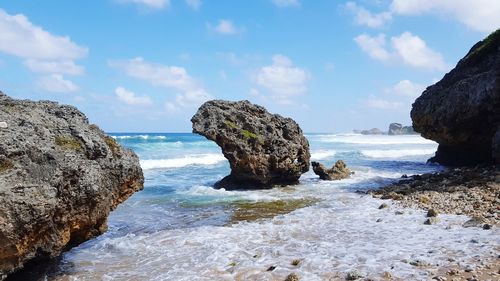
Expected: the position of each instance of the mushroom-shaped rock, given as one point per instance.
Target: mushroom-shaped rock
(263, 149)
(59, 179)
(462, 111)
(337, 172)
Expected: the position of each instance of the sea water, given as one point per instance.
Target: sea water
(178, 227)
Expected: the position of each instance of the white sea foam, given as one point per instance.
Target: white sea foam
(144, 137)
(396, 153)
(338, 235)
(373, 139)
(322, 154)
(200, 159)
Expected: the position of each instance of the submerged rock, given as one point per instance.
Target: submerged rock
(337, 172)
(462, 111)
(59, 179)
(263, 149)
(252, 211)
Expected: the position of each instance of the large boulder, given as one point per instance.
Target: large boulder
(263, 149)
(462, 111)
(59, 179)
(337, 172)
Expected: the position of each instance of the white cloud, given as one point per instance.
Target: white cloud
(286, 3)
(406, 88)
(56, 83)
(373, 46)
(378, 103)
(365, 17)
(190, 93)
(130, 98)
(414, 51)
(19, 37)
(62, 67)
(478, 15)
(194, 4)
(225, 27)
(406, 48)
(152, 4)
(282, 78)
(398, 97)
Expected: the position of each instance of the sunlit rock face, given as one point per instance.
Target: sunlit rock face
(59, 179)
(462, 111)
(263, 149)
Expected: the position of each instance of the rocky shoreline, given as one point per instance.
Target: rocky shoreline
(472, 191)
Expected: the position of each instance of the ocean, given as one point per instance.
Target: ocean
(180, 228)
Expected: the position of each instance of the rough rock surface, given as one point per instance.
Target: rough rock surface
(462, 111)
(59, 179)
(337, 172)
(472, 191)
(263, 149)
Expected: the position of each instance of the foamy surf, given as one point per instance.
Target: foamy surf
(322, 154)
(397, 153)
(372, 140)
(202, 159)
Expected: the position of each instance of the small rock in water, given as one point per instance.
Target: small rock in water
(379, 220)
(354, 275)
(432, 213)
(431, 220)
(486, 226)
(387, 275)
(418, 263)
(399, 213)
(337, 172)
(296, 262)
(292, 277)
(383, 206)
(3, 125)
(271, 268)
(474, 222)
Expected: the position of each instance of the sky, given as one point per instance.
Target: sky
(147, 65)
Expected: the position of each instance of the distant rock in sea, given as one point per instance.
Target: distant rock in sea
(374, 131)
(59, 179)
(398, 129)
(263, 149)
(337, 172)
(462, 111)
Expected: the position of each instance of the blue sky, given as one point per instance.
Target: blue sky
(146, 65)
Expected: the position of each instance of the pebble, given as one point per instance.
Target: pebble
(354, 275)
(383, 206)
(486, 226)
(432, 213)
(3, 125)
(431, 220)
(292, 277)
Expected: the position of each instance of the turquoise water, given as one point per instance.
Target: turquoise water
(176, 228)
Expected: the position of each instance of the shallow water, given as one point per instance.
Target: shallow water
(177, 227)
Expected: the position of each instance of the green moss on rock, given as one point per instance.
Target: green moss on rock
(69, 143)
(6, 165)
(486, 46)
(248, 134)
(251, 211)
(113, 145)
